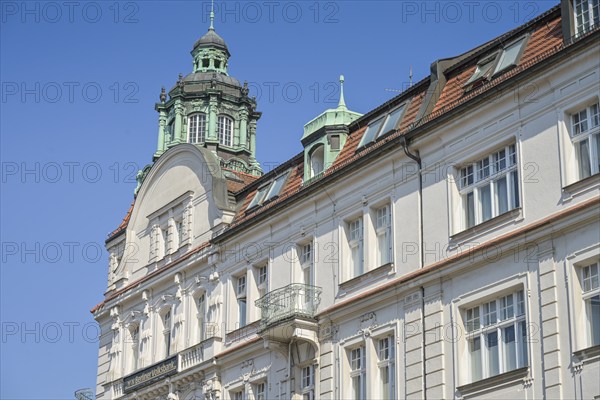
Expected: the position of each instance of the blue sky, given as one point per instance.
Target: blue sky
(79, 82)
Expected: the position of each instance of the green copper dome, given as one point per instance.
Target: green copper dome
(211, 39)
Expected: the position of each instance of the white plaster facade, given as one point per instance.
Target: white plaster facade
(403, 322)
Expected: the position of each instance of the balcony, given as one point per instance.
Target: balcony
(285, 310)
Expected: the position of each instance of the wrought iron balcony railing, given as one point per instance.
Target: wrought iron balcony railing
(294, 300)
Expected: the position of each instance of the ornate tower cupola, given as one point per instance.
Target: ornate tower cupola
(325, 136)
(211, 109)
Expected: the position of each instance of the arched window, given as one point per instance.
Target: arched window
(171, 130)
(317, 160)
(196, 128)
(225, 128)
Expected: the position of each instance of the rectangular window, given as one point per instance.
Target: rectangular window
(276, 187)
(489, 187)
(358, 373)
(587, 15)
(167, 333)
(306, 263)
(238, 395)
(356, 243)
(510, 55)
(383, 228)
(201, 308)
(496, 341)
(135, 344)
(585, 134)
(307, 382)
(241, 300)
(197, 128)
(591, 297)
(260, 392)
(483, 69)
(386, 365)
(382, 126)
(262, 280)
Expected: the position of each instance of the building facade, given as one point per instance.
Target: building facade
(444, 245)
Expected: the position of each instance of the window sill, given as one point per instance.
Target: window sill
(484, 227)
(588, 353)
(506, 378)
(367, 277)
(581, 187)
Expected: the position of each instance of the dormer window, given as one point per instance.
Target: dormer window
(171, 130)
(269, 191)
(317, 160)
(225, 128)
(587, 15)
(197, 128)
(382, 126)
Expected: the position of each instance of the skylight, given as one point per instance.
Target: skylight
(509, 55)
(375, 129)
(482, 70)
(269, 191)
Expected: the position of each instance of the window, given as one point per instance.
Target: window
(317, 160)
(496, 336)
(587, 15)
(386, 363)
(356, 243)
(269, 191)
(585, 134)
(383, 228)
(237, 395)
(260, 391)
(262, 279)
(307, 382)
(591, 297)
(197, 128)
(201, 308)
(382, 126)
(179, 229)
(167, 332)
(306, 262)
(490, 186)
(358, 373)
(483, 70)
(334, 142)
(240, 290)
(510, 55)
(276, 187)
(225, 129)
(171, 130)
(165, 239)
(135, 343)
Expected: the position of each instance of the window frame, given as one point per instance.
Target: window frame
(591, 134)
(381, 121)
(592, 338)
(384, 233)
(360, 372)
(307, 390)
(388, 363)
(585, 26)
(241, 295)
(483, 329)
(484, 174)
(357, 267)
(199, 135)
(225, 140)
(319, 147)
(500, 57)
(265, 193)
(259, 394)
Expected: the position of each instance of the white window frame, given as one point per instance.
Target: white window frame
(262, 278)
(485, 174)
(589, 12)
(317, 166)
(356, 240)
(134, 333)
(357, 362)
(522, 43)
(241, 293)
(586, 129)
(197, 128)
(259, 390)
(384, 234)
(167, 322)
(225, 130)
(484, 320)
(238, 394)
(200, 316)
(307, 382)
(590, 292)
(386, 365)
(306, 258)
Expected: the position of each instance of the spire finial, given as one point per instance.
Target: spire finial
(212, 15)
(342, 103)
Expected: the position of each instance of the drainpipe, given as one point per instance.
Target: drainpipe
(290, 369)
(416, 158)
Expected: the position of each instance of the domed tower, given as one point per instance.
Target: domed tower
(211, 109)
